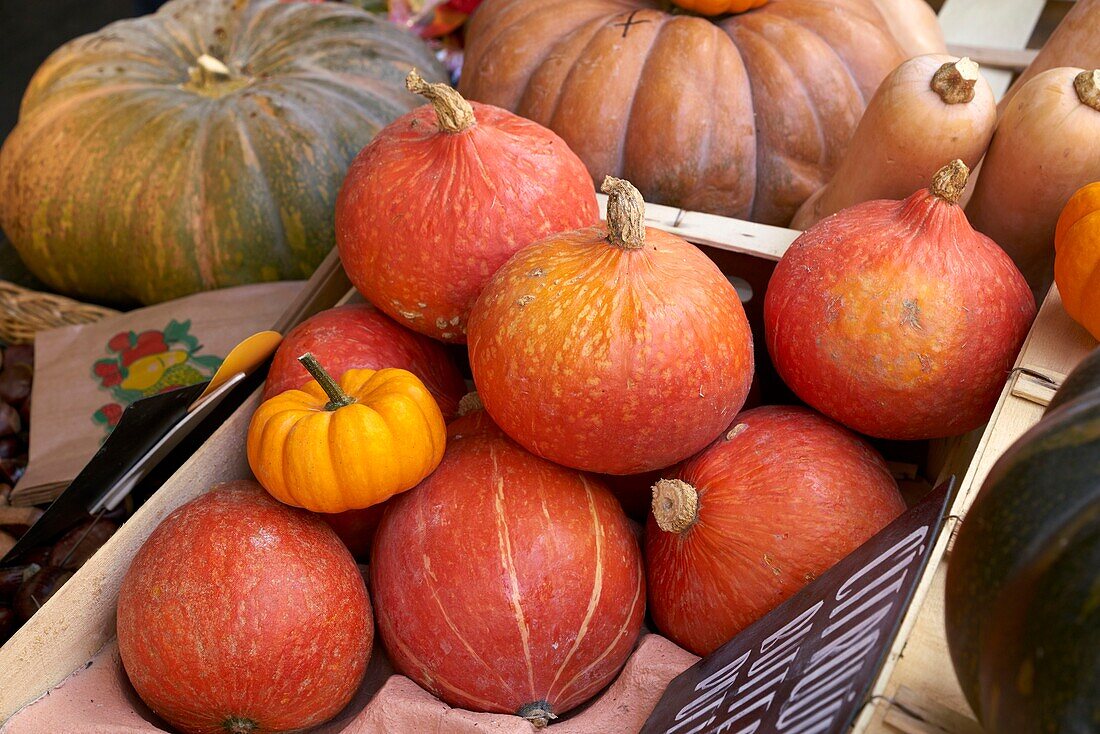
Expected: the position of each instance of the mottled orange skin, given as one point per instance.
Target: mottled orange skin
(425, 216)
(611, 360)
(779, 503)
(358, 336)
(504, 580)
(897, 319)
(239, 606)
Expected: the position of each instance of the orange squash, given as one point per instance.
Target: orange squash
(1077, 257)
(332, 447)
(719, 7)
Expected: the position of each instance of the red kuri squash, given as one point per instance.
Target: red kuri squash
(357, 336)
(505, 583)
(896, 318)
(242, 615)
(616, 349)
(443, 196)
(755, 517)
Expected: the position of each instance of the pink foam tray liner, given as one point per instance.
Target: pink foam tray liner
(98, 699)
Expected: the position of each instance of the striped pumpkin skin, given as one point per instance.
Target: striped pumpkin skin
(128, 180)
(503, 580)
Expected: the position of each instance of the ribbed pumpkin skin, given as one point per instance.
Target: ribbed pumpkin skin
(426, 216)
(608, 359)
(123, 183)
(357, 336)
(1077, 257)
(745, 116)
(780, 502)
(1020, 604)
(239, 606)
(503, 579)
(897, 319)
(350, 457)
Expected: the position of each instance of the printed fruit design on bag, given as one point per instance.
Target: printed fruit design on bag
(149, 363)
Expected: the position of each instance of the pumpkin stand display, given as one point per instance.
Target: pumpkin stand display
(389, 701)
(79, 621)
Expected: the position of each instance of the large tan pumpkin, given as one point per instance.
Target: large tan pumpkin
(744, 116)
(199, 147)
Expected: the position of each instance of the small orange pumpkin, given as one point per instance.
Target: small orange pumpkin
(1077, 257)
(719, 7)
(332, 447)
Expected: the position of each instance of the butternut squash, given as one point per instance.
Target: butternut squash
(1044, 149)
(930, 109)
(1075, 42)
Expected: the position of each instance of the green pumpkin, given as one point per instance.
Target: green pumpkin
(1023, 581)
(199, 147)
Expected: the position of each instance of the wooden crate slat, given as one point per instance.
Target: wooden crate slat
(735, 235)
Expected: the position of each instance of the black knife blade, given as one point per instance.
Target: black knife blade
(142, 425)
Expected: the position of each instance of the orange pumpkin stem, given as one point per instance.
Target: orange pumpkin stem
(949, 182)
(954, 81)
(625, 213)
(337, 398)
(1087, 85)
(452, 110)
(675, 505)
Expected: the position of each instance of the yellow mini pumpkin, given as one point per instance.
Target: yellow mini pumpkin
(1077, 257)
(332, 447)
(719, 7)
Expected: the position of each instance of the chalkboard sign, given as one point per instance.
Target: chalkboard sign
(808, 666)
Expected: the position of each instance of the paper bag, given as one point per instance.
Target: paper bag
(85, 376)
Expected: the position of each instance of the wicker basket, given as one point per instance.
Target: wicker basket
(24, 312)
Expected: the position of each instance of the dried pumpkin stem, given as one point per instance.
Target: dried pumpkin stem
(337, 398)
(1087, 85)
(211, 78)
(209, 70)
(239, 725)
(675, 505)
(538, 713)
(452, 110)
(949, 182)
(470, 402)
(954, 81)
(625, 213)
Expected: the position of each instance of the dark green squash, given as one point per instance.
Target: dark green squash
(199, 147)
(1023, 581)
